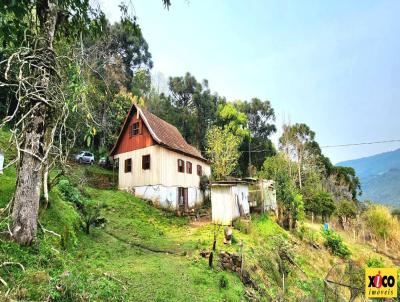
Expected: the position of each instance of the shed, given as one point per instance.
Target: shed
(262, 195)
(229, 200)
(1, 162)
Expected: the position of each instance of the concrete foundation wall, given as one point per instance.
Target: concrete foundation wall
(167, 197)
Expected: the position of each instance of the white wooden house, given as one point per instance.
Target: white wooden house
(157, 164)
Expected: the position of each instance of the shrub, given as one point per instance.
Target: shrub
(375, 262)
(242, 226)
(346, 210)
(334, 243)
(381, 224)
(89, 210)
(71, 194)
(91, 214)
(223, 281)
(301, 232)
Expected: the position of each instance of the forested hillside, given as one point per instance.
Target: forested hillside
(379, 176)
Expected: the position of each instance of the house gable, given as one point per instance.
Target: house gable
(128, 141)
(154, 131)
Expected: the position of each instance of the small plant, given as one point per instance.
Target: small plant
(334, 243)
(89, 210)
(375, 262)
(91, 215)
(301, 232)
(223, 281)
(70, 193)
(242, 226)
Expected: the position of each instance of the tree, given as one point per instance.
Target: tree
(346, 210)
(190, 107)
(321, 203)
(37, 37)
(260, 118)
(290, 201)
(141, 84)
(35, 80)
(294, 141)
(232, 120)
(347, 184)
(222, 150)
(127, 41)
(117, 62)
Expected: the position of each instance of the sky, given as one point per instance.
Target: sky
(334, 65)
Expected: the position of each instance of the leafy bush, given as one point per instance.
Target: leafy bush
(63, 218)
(223, 281)
(346, 210)
(381, 224)
(301, 232)
(321, 203)
(71, 194)
(242, 226)
(89, 210)
(334, 243)
(375, 262)
(290, 201)
(91, 214)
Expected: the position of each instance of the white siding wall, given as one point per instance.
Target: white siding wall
(242, 192)
(169, 170)
(221, 204)
(160, 183)
(224, 202)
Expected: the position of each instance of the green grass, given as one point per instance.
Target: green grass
(99, 267)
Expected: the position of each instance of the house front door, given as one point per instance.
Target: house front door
(183, 204)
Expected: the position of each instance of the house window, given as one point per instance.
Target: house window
(199, 170)
(135, 128)
(128, 165)
(146, 162)
(188, 167)
(181, 166)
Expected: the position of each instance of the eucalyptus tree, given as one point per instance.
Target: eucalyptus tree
(294, 141)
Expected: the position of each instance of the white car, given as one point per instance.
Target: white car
(85, 157)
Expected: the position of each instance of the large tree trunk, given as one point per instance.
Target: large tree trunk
(27, 194)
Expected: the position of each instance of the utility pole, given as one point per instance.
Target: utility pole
(249, 168)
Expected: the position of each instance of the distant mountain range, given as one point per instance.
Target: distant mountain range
(380, 177)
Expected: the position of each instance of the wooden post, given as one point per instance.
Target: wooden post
(262, 196)
(241, 258)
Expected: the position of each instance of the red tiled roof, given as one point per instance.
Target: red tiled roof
(163, 133)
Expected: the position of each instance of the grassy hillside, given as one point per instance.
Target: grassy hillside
(145, 254)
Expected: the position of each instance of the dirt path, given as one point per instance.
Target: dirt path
(200, 222)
